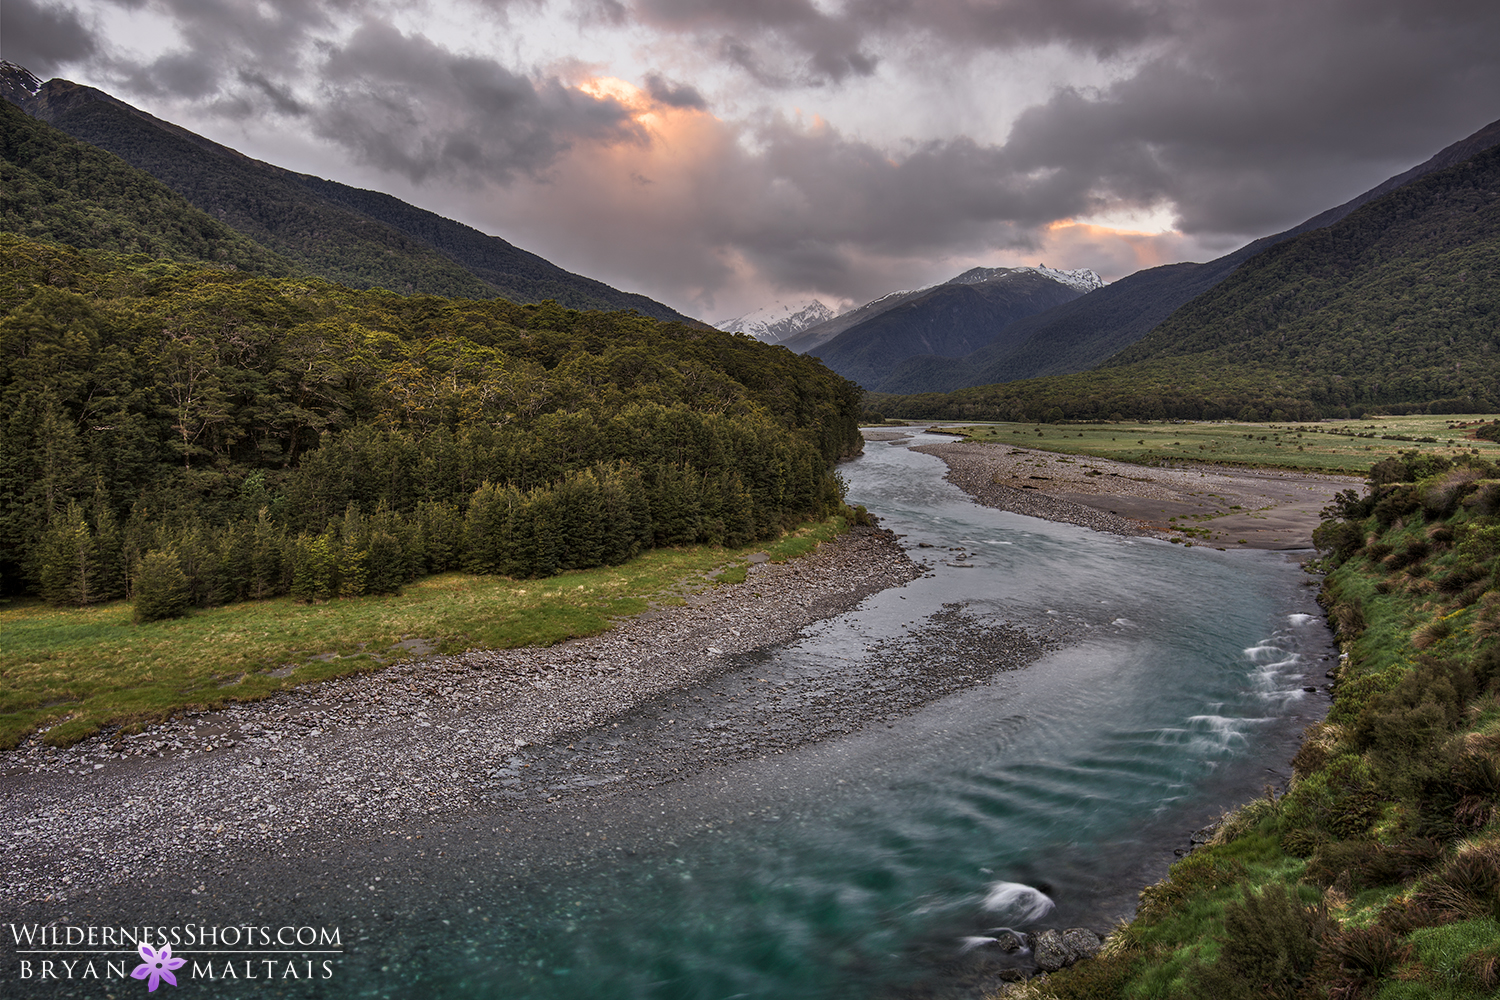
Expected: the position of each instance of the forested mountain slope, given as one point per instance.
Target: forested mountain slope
(358, 238)
(1401, 296)
(1081, 334)
(54, 187)
(1397, 306)
(951, 319)
(247, 436)
(1071, 337)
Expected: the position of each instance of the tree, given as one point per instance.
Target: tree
(161, 587)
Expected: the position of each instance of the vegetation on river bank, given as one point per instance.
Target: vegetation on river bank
(73, 671)
(1347, 446)
(1377, 874)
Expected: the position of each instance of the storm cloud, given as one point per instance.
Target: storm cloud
(695, 149)
(42, 36)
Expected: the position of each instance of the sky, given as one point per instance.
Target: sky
(724, 155)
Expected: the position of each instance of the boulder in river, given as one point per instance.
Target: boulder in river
(1053, 949)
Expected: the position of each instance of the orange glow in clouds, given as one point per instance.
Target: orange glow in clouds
(1112, 251)
(646, 112)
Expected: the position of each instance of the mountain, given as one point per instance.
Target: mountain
(355, 237)
(1081, 334)
(1395, 308)
(53, 187)
(955, 318)
(777, 322)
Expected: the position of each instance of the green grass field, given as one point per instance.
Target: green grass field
(1349, 446)
(72, 671)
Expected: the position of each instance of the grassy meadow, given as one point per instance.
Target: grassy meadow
(70, 672)
(1348, 446)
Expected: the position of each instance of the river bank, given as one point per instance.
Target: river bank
(424, 739)
(1273, 509)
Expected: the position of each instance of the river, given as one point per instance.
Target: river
(1107, 696)
(1173, 686)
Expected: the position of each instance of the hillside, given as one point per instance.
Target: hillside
(1081, 334)
(249, 430)
(358, 238)
(1071, 337)
(954, 318)
(1377, 872)
(1396, 307)
(53, 187)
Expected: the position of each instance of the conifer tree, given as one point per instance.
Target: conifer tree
(70, 559)
(161, 587)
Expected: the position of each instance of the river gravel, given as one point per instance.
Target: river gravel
(435, 738)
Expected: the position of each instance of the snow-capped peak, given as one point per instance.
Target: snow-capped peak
(778, 321)
(1083, 279)
(20, 77)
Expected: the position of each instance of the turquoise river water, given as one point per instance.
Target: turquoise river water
(857, 866)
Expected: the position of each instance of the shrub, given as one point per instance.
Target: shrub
(1370, 952)
(1319, 742)
(1396, 502)
(1469, 884)
(1270, 943)
(1370, 863)
(1100, 978)
(1196, 872)
(1485, 500)
(161, 587)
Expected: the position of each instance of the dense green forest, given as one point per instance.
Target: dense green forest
(1394, 309)
(54, 187)
(1377, 874)
(194, 436)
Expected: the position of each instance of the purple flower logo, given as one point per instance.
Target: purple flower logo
(157, 965)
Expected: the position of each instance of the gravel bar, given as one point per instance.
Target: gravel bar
(433, 739)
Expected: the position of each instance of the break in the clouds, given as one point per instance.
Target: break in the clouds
(715, 153)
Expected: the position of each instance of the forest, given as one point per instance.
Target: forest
(186, 436)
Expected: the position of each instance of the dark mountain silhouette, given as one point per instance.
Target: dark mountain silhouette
(355, 237)
(1081, 334)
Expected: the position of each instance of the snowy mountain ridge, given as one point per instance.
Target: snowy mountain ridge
(778, 321)
(1083, 279)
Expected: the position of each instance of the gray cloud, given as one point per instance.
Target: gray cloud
(280, 97)
(756, 34)
(675, 95)
(1270, 112)
(405, 104)
(42, 37)
(182, 73)
(1242, 118)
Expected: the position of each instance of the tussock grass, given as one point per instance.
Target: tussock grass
(1346, 446)
(72, 672)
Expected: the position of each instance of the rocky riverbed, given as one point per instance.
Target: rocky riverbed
(447, 735)
(1251, 508)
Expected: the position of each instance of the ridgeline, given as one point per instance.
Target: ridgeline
(1394, 309)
